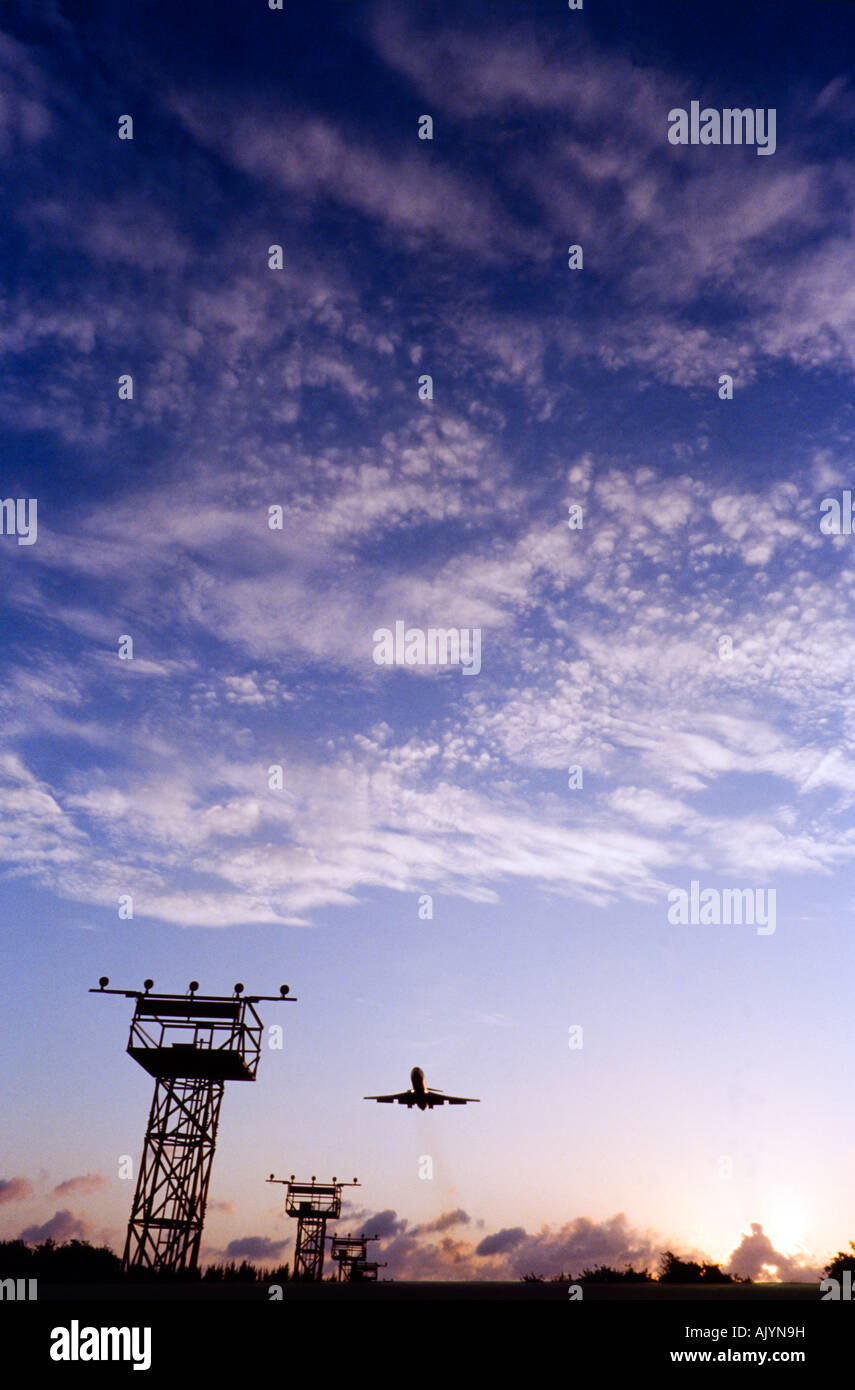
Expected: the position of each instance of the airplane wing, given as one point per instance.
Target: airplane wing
(403, 1098)
(440, 1098)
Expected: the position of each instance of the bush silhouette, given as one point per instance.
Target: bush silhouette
(605, 1274)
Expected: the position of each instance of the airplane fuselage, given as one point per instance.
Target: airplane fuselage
(417, 1081)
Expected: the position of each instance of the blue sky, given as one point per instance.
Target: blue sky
(299, 388)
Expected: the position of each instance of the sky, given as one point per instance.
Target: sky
(614, 474)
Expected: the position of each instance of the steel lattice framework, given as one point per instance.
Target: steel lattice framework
(354, 1266)
(168, 1212)
(310, 1246)
(313, 1205)
(191, 1044)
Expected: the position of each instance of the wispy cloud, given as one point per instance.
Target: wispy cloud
(14, 1190)
(86, 1183)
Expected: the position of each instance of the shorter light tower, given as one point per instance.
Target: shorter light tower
(313, 1204)
(192, 1045)
(354, 1266)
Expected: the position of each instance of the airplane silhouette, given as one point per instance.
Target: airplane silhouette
(424, 1097)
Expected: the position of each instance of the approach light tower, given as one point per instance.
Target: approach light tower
(192, 1045)
(354, 1266)
(313, 1204)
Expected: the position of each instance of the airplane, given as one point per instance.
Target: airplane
(424, 1097)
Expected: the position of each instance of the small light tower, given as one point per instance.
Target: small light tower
(354, 1266)
(192, 1044)
(313, 1204)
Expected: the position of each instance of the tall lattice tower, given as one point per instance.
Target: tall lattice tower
(313, 1205)
(192, 1045)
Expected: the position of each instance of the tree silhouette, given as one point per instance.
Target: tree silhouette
(673, 1270)
(76, 1261)
(842, 1260)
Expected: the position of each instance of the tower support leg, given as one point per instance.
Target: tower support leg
(309, 1248)
(168, 1212)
